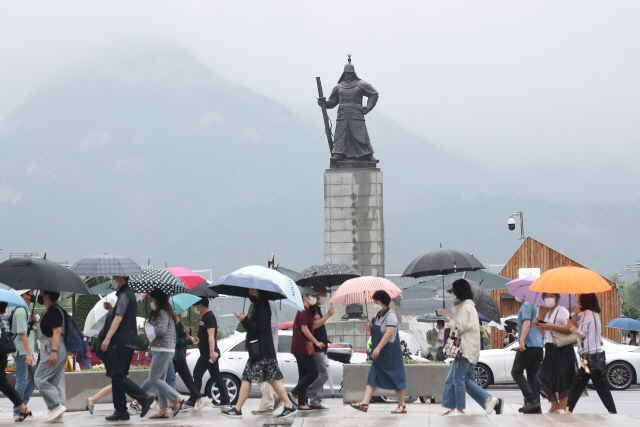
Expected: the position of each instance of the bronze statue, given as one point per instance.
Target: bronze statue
(351, 139)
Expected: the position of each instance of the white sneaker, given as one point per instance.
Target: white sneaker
(204, 401)
(58, 420)
(456, 413)
(155, 406)
(491, 405)
(54, 413)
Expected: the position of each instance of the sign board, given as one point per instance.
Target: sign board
(523, 273)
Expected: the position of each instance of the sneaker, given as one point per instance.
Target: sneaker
(523, 405)
(146, 405)
(54, 413)
(532, 408)
(135, 406)
(449, 412)
(288, 412)
(500, 406)
(118, 416)
(186, 408)
(221, 405)
(58, 420)
(456, 414)
(318, 408)
(265, 412)
(232, 413)
(204, 401)
(490, 405)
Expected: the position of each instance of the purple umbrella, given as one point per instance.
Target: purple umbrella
(519, 288)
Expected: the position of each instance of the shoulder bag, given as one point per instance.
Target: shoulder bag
(560, 339)
(596, 362)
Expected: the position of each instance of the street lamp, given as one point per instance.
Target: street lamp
(512, 224)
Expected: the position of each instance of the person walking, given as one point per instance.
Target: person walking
(270, 400)
(262, 365)
(315, 392)
(7, 389)
(209, 352)
(387, 365)
(181, 368)
(529, 357)
(22, 327)
(439, 340)
(163, 345)
(302, 348)
(633, 338)
(559, 365)
(52, 358)
(589, 332)
(461, 377)
(119, 344)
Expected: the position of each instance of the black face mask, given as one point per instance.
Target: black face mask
(253, 299)
(40, 300)
(31, 298)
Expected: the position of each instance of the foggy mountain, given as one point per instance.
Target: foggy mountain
(151, 155)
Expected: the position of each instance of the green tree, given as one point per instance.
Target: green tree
(630, 310)
(630, 292)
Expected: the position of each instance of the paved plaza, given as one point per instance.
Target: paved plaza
(589, 412)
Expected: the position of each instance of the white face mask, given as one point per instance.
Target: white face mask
(454, 297)
(184, 314)
(196, 310)
(152, 305)
(549, 302)
(114, 284)
(322, 300)
(377, 307)
(518, 299)
(312, 300)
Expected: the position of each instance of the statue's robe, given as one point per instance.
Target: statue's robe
(351, 138)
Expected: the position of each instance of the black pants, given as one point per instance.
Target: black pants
(182, 369)
(440, 355)
(117, 361)
(598, 383)
(203, 365)
(307, 374)
(529, 360)
(5, 387)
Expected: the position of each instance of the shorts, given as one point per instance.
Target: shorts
(259, 371)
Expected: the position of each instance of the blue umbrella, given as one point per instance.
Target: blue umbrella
(239, 284)
(13, 299)
(288, 286)
(624, 323)
(181, 302)
(483, 318)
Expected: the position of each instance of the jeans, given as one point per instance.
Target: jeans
(462, 379)
(50, 378)
(202, 365)
(598, 383)
(171, 377)
(117, 361)
(158, 375)
(531, 361)
(315, 392)
(182, 369)
(307, 374)
(24, 379)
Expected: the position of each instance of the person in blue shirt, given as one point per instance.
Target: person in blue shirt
(529, 357)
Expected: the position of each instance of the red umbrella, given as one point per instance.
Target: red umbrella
(188, 277)
(360, 289)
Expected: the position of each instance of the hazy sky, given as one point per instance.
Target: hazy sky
(507, 83)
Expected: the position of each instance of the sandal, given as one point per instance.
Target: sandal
(23, 416)
(89, 407)
(400, 410)
(177, 406)
(159, 415)
(360, 406)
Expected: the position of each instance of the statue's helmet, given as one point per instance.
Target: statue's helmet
(348, 68)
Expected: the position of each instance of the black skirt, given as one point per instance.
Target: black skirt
(558, 370)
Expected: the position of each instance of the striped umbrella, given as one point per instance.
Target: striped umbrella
(360, 290)
(156, 278)
(106, 265)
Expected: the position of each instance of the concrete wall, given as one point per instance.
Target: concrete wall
(80, 385)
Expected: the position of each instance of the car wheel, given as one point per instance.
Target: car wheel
(619, 375)
(233, 387)
(484, 377)
(393, 399)
(425, 399)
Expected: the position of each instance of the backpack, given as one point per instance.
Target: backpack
(6, 344)
(73, 337)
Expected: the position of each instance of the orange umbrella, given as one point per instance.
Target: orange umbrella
(570, 280)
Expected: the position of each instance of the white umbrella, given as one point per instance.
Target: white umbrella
(512, 318)
(97, 317)
(287, 285)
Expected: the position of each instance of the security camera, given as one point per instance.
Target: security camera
(512, 224)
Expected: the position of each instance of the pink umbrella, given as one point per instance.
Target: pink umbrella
(188, 277)
(360, 289)
(520, 288)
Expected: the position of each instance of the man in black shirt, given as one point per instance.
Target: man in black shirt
(315, 392)
(209, 352)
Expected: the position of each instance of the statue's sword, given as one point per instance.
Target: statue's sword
(327, 126)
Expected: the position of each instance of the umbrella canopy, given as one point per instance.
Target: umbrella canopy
(286, 325)
(102, 288)
(431, 317)
(12, 299)
(485, 304)
(360, 290)
(239, 284)
(106, 265)
(188, 277)
(570, 280)
(519, 288)
(624, 323)
(203, 291)
(513, 319)
(483, 318)
(330, 275)
(36, 273)
(156, 278)
(97, 317)
(181, 302)
(287, 285)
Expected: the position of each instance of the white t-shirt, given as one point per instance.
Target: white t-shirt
(440, 344)
(561, 319)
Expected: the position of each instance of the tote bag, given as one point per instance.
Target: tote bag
(451, 348)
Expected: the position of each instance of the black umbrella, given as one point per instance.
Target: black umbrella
(156, 278)
(203, 291)
(485, 304)
(329, 275)
(36, 273)
(442, 262)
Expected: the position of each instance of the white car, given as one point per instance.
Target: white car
(623, 364)
(234, 357)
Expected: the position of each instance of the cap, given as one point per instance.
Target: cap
(306, 290)
(20, 291)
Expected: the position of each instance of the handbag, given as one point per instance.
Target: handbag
(452, 345)
(7, 345)
(560, 339)
(596, 362)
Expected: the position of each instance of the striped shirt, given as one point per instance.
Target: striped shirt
(5, 327)
(589, 327)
